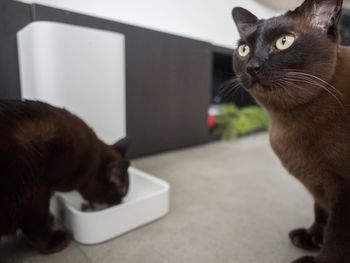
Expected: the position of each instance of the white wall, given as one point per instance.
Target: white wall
(208, 20)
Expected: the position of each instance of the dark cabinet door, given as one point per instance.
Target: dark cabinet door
(168, 82)
(13, 16)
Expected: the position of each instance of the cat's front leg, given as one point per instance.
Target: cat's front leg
(37, 227)
(307, 259)
(336, 245)
(336, 248)
(311, 239)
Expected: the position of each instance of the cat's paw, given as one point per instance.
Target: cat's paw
(306, 259)
(301, 238)
(57, 242)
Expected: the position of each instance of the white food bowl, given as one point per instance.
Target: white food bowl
(147, 200)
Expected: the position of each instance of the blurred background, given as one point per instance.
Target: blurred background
(175, 66)
(178, 64)
(160, 71)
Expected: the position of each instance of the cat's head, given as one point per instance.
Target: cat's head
(287, 61)
(111, 183)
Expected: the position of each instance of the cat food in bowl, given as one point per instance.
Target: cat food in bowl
(146, 201)
(88, 207)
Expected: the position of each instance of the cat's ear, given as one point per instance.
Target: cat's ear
(122, 145)
(116, 169)
(323, 14)
(245, 21)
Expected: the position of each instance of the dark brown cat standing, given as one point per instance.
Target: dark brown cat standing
(295, 68)
(45, 149)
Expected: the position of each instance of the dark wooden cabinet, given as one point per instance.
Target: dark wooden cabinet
(13, 16)
(168, 91)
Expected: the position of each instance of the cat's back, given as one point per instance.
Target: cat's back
(36, 137)
(15, 113)
(16, 108)
(32, 131)
(23, 122)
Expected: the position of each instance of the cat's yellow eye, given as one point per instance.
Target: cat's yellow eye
(243, 50)
(285, 42)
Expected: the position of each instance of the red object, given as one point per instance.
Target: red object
(211, 121)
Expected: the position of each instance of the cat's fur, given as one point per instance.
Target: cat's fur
(46, 149)
(306, 91)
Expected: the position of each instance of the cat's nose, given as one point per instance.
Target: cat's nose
(254, 68)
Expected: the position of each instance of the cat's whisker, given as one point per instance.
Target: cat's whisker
(232, 74)
(231, 92)
(315, 83)
(312, 82)
(304, 80)
(295, 86)
(321, 80)
(295, 72)
(228, 85)
(284, 84)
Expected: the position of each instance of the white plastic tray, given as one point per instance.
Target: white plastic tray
(147, 200)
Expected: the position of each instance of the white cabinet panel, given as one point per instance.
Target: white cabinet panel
(78, 68)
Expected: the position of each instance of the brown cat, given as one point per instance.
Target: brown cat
(45, 149)
(295, 68)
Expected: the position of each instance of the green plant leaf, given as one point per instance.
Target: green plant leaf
(233, 121)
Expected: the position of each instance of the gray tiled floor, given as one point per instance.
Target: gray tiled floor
(18, 251)
(230, 202)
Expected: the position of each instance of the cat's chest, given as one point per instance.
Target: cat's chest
(295, 150)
